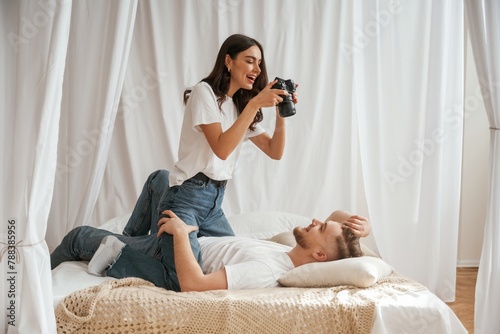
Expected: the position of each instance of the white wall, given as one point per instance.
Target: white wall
(475, 169)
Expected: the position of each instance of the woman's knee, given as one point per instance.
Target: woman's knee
(158, 181)
(77, 236)
(79, 231)
(160, 175)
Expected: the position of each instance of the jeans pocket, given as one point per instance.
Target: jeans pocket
(187, 193)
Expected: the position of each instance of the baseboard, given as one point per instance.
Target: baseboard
(468, 263)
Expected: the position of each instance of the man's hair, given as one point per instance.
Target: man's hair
(348, 245)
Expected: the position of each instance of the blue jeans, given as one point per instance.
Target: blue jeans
(196, 202)
(82, 242)
(146, 256)
(142, 257)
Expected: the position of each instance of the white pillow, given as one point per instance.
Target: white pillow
(284, 238)
(361, 271)
(262, 225)
(117, 224)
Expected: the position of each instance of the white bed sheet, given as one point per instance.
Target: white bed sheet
(413, 312)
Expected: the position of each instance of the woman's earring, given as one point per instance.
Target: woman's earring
(229, 70)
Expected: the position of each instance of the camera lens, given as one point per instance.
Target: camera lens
(286, 107)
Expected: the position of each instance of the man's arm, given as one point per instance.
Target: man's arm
(189, 273)
(358, 224)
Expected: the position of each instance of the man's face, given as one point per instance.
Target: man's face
(320, 234)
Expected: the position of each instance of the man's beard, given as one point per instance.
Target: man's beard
(299, 237)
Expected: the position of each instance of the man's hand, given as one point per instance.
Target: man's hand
(189, 273)
(359, 225)
(174, 225)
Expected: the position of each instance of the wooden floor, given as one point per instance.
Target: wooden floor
(463, 306)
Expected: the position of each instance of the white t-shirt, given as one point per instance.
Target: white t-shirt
(195, 154)
(249, 263)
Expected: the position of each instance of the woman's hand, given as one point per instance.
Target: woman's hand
(359, 225)
(295, 97)
(269, 97)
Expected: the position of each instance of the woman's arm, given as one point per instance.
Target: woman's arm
(274, 146)
(189, 273)
(224, 143)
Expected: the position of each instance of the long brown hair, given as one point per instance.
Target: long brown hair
(219, 78)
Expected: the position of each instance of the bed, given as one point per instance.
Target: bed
(362, 295)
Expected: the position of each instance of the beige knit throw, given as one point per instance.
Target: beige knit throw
(132, 305)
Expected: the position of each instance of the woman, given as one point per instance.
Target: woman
(222, 111)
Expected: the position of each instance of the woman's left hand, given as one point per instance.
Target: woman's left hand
(295, 97)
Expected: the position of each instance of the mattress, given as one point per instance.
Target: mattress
(408, 311)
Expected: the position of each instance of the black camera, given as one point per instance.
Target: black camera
(286, 107)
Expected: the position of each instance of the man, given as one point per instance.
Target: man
(152, 258)
(230, 262)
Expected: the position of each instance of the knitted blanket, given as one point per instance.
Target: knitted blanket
(132, 305)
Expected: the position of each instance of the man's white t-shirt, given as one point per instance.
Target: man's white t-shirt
(195, 154)
(249, 263)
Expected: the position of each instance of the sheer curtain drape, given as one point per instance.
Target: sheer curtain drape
(174, 46)
(409, 92)
(100, 38)
(484, 29)
(392, 66)
(378, 85)
(34, 44)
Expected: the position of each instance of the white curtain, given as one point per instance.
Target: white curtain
(34, 45)
(378, 80)
(389, 68)
(174, 47)
(100, 38)
(484, 30)
(409, 78)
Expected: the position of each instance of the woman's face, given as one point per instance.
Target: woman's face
(244, 69)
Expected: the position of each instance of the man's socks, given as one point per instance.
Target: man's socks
(106, 255)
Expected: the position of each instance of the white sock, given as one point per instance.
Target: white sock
(106, 255)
